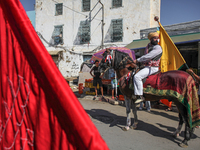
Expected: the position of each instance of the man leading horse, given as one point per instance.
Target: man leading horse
(151, 59)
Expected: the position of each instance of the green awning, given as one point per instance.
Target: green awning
(177, 39)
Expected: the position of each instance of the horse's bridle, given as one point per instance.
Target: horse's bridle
(112, 53)
(112, 56)
(121, 63)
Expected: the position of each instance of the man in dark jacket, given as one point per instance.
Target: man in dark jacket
(97, 78)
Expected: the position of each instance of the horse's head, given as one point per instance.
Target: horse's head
(117, 60)
(106, 61)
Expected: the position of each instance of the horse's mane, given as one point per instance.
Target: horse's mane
(121, 59)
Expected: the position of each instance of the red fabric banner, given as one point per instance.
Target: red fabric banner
(38, 110)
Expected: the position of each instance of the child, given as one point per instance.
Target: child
(113, 82)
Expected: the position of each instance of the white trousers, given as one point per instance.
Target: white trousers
(137, 80)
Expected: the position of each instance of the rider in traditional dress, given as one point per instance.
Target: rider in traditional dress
(151, 60)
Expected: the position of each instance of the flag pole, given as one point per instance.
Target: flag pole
(156, 18)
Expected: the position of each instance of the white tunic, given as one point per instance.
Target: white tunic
(152, 54)
(146, 71)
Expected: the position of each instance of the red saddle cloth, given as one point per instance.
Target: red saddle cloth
(177, 84)
(171, 80)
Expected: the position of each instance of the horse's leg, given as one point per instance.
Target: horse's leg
(178, 130)
(188, 132)
(134, 109)
(187, 135)
(128, 113)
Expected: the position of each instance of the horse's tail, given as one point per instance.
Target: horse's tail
(191, 102)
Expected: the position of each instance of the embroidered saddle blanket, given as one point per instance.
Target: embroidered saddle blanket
(178, 84)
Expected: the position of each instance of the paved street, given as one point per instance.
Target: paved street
(153, 132)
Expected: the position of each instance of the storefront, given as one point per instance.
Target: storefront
(188, 45)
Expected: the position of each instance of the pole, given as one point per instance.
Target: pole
(156, 18)
(102, 25)
(115, 86)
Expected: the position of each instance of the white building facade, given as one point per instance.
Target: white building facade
(72, 30)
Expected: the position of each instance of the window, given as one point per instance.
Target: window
(59, 9)
(86, 57)
(84, 32)
(117, 30)
(116, 3)
(86, 5)
(58, 35)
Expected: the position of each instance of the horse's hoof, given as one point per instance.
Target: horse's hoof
(125, 128)
(183, 145)
(133, 127)
(175, 135)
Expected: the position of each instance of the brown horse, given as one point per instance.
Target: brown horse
(183, 83)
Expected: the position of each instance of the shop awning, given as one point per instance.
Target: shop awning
(54, 52)
(177, 39)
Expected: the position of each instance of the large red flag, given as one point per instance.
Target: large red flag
(38, 110)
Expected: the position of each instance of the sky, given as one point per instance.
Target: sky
(172, 11)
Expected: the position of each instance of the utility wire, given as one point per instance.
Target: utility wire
(75, 10)
(67, 49)
(72, 9)
(95, 30)
(55, 46)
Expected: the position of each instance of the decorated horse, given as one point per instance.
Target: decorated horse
(176, 85)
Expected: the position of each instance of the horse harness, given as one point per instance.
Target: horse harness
(128, 78)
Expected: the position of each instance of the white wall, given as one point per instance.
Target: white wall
(70, 65)
(136, 15)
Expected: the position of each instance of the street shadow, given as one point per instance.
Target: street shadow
(120, 121)
(155, 131)
(111, 119)
(171, 129)
(165, 115)
(76, 93)
(194, 136)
